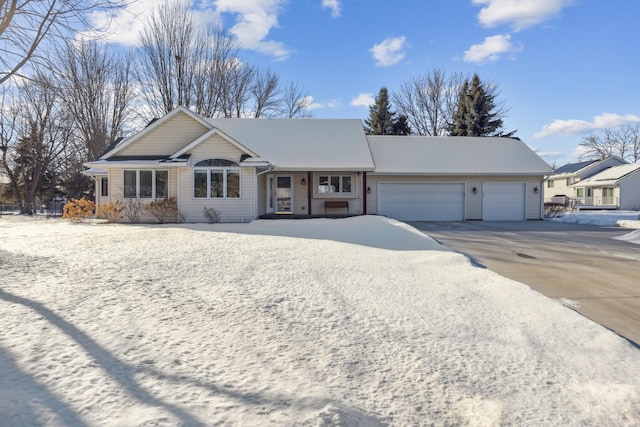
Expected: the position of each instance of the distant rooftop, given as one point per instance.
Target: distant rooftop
(574, 167)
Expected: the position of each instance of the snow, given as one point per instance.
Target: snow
(359, 321)
(625, 219)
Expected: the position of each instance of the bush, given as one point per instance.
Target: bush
(553, 210)
(110, 211)
(133, 208)
(212, 215)
(78, 209)
(164, 210)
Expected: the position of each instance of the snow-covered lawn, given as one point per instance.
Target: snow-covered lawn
(625, 219)
(360, 321)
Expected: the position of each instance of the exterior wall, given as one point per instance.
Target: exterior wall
(560, 187)
(473, 202)
(167, 139)
(354, 198)
(242, 209)
(116, 186)
(630, 193)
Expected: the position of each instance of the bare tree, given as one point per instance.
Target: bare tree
(295, 102)
(265, 93)
(97, 91)
(166, 62)
(25, 25)
(33, 138)
(428, 101)
(623, 142)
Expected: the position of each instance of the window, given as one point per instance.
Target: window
(104, 186)
(216, 179)
(146, 184)
(334, 184)
(550, 183)
(580, 192)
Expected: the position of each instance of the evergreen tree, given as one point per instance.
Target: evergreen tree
(401, 126)
(477, 113)
(382, 120)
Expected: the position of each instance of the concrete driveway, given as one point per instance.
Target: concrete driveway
(580, 265)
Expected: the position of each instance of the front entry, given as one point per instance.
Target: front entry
(281, 197)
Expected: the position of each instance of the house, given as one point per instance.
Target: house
(250, 168)
(559, 186)
(617, 187)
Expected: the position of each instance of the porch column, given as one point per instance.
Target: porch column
(364, 193)
(309, 192)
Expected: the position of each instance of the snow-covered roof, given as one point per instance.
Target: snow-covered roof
(588, 167)
(610, 176)
(302, 144)
(454, 156)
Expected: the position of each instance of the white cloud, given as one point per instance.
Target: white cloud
(363, 100)
(334, 5)
(388, 52)
(518, 14)
(254, 20)
(576, 127)
(123, 27)
(315, 105)
(491, 49)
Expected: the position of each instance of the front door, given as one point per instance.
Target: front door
(281, 194)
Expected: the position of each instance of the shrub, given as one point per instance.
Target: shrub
(211, 214)
(164, 210)
(133, 208)
(77, 209)
(553, 210)
(110, 211)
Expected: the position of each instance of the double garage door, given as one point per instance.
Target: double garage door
(503, 201)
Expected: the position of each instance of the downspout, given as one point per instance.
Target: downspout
(255, 189)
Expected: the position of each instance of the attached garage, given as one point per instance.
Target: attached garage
(504, 201)
(417, 201)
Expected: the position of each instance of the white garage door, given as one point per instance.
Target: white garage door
(421, 201)
(503, 201)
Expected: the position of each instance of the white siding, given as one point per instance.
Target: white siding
(242, 209)
(629, 193)
(167, 139)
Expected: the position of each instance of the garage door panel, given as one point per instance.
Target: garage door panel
(503, 201)
(421, 201)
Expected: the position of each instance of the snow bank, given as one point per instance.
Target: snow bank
(625, 219)
(362, 321)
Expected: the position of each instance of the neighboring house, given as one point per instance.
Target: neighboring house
(559, 186)
(249, 168)
(617, 187)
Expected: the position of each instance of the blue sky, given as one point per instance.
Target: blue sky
(564, 67)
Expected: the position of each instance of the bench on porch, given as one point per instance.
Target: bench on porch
(335, 204)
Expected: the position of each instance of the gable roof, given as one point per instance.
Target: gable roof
(302, 144)
(209, 134)
(610, 176)
(154, 124)
(454, 156)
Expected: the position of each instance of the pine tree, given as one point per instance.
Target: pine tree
(380, 121)
(477, 113)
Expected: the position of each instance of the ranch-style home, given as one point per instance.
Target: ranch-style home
(251, 168)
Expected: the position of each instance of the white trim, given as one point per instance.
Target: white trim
(153, 184)
(127, 142)
(225, 171)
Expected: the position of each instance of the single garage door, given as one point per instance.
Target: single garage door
(421, 201)
(503, 201)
